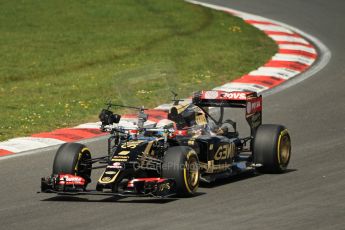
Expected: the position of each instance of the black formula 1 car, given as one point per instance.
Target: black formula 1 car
(186, 145)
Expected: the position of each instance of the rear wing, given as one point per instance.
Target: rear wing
(248, 100)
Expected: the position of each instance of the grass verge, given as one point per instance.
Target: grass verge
(62, 60)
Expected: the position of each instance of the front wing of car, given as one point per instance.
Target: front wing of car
(67, 184)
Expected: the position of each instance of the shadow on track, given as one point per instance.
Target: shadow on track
(62, 198)
(239, 177)
(119, 199)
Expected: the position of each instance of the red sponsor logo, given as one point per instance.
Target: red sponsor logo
(145, 180)
(235, 96)
(254, 106)
(69, 179)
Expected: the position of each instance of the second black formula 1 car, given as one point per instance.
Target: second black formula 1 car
(186, 145)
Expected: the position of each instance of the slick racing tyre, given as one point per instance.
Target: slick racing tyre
(182, 164)
(73, 158)
(272, 148)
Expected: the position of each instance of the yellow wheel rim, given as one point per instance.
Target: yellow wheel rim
(285, 150)
(193, 172)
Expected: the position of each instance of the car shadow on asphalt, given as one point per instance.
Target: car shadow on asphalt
(239, 177)
(118, 199)
(160, 201)
(109, 199)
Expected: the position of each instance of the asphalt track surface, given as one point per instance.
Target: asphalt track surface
(310, 196)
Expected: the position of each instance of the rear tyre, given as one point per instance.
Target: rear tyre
(182, 164)
(73, 158)
(272, 148)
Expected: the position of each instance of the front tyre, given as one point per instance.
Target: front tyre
(75, 159)
(182, 164)
(272, 148)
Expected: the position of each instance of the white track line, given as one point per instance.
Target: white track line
(282, 73)
(22, 144)
(272, 28)
(297, 47)
(285, 38)
(293, 58)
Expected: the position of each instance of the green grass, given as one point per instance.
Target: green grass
(62, 60)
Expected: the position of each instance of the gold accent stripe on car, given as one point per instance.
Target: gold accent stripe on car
(148, 148)
(110, 181)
